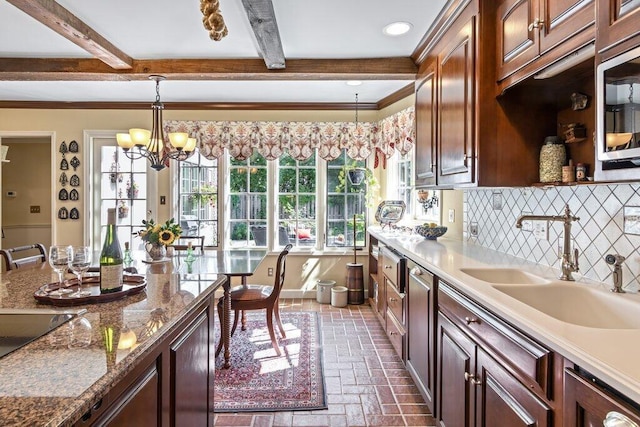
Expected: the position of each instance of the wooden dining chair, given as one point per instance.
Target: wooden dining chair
(27, 256)
(258, 297)
(182, 243)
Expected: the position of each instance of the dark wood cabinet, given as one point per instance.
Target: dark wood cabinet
(588, 402)
(426, 111)
(456, 106)
(393, 279)
(171, 386)
(617, 22)
(528, 29)
(421, 318)
(478, 385)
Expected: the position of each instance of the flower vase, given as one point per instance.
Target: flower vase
(156, 251)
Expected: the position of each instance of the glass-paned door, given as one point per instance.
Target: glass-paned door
(248, 202)
(119, 183)
(198, 195)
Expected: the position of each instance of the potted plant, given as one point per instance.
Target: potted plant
(132, 190)
(123, 209)
(361, 179)
(206, 194)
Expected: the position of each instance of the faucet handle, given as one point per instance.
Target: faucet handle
(614, 259)
(575, 259)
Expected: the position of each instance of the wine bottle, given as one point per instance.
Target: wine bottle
(111, 258)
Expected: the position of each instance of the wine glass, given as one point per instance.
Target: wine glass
(58, 259)
(79, 262)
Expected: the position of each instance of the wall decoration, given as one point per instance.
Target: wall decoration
(63, 148)
(299, 139)
(123, 209)
(75, 213)
(75, 180)
(63, 194)
(114, 171)
(63, 213)
(75, 162)
(132, 190)
(63, 179)
(73, 146)
(74, 195)
(64, 165)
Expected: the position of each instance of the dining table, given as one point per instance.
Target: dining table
(231, 263)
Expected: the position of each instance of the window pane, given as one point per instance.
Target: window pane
(344, 200)
(248, 201)
(198, 198)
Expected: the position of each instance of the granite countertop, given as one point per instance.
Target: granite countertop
(52, 381)
(609, 354)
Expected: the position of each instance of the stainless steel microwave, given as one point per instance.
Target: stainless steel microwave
(618, 110)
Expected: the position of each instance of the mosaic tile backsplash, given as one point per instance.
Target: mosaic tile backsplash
(600, 230)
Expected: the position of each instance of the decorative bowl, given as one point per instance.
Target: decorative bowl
(430, 233)
(616, 139)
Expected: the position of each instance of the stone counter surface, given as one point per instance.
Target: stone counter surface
(51, 381)
(610, 354)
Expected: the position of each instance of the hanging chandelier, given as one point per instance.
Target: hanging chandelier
(139, 143)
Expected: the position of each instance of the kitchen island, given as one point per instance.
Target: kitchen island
(149, 360)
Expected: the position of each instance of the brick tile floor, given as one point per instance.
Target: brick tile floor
(366, 382)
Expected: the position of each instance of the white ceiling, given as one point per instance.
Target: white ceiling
(172, 29)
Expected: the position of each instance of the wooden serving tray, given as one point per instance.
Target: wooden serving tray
(131, 286)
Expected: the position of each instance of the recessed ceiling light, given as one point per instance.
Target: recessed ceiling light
(397, 28)
(354, 83)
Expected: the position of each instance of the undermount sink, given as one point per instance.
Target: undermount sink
(579, 305)
(504, 276)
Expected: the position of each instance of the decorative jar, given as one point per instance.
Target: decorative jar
(552, 157)
(156, 251)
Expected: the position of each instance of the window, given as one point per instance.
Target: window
(345, 203)
(248, 201)
(297, 183)
(198, 198)
(404, 175)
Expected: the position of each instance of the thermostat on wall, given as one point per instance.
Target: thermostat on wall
(11, 193)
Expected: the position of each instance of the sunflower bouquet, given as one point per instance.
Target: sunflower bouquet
(164, 234)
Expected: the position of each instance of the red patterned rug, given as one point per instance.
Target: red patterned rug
(259, 380)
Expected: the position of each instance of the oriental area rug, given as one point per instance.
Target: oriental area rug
(260, 380)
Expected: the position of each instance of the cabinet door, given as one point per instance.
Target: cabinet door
(563, 19)
(617, 22)
(426, 108)
(455, 364)
(587, 404)
(517, 45)
(138, 405)
(456, 106)
(192, 374)
(501, 400)
(420, 324)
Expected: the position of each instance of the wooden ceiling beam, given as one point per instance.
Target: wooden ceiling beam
(262, 18)
(64, 69)
(63, 22)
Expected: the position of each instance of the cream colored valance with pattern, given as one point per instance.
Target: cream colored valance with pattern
(299, 139)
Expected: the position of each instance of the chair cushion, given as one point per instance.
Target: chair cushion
(250, 292)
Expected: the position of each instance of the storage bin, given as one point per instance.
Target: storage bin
(323, 291)
(339, 296)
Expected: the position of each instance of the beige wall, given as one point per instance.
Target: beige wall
(29, 177)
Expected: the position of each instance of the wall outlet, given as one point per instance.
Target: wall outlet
(527, 225)
(270, 271)
(541, 230)
(34, 209)
(473, 229)
(452, 215)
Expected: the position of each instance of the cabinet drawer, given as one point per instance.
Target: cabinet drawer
(395, 303)
(393, 266)
(396, 334)
(525, 358)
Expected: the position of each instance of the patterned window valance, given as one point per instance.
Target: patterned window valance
(299, 139)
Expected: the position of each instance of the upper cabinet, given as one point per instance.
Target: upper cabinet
(617, 22)
(426, 109)
(528, 29)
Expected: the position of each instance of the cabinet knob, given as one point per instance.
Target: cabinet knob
(472, 379)
(537, 23)
(416, 271)
(387, 267)
(616, 419)
(393, 333)
(393, 299)
(470, 320)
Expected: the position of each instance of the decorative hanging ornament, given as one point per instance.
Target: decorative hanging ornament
(75, 180)
(73, 146)
(63, 148)
(63, 213)
(64, 165)
(74, 195)
(75, 162)
(63, 179)
(75, 213)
